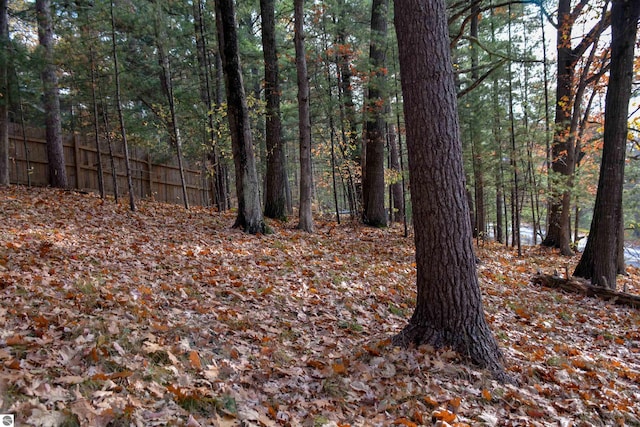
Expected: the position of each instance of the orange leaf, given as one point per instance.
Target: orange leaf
(455, 403)
(430, 401)
(13, 364)
(444, 415)
(315, 364)
(404, 422)
(339, 368)
(194, 359)
(486, 394)
(123, 374)
(15, 340)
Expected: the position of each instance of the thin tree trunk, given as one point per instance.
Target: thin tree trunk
(51, 97)
(515, 221)
(477, 150)
(599, 261)
(564, 140)
(123, 132)
(305, 215)
(4, 102)
(249, 216)
(96, 127)
(397, 206)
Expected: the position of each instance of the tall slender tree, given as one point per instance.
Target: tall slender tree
(373, 212)
(304, 122)
(275, 205)
(448, 306)
(51, 97)
(599, 259)
(563, 152)
(4, 99)
(123, 130)
(249, 216)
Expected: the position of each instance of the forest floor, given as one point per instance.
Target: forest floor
(170, 317)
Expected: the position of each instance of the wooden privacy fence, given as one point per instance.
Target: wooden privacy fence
(161, 182)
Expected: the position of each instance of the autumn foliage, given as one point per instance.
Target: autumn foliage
(169, 317)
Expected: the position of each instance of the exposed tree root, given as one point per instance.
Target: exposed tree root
(485, 356)
(584, 287)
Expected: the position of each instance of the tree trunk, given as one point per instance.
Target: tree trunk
(480, 228)
(275, 195)
(4, 102)
(449, 306)
(249, 208)
(96, 126)
(397, 195)
(305, 215)
(373, 211)
(166, 81)
(563, 146)
(123, 131)
(51, 97)
(599, 260)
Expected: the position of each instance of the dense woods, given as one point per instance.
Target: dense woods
(531, 108)
(472, 122)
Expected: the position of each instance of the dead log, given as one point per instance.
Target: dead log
(584, 287)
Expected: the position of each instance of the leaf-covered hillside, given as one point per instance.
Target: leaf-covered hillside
(169, 317)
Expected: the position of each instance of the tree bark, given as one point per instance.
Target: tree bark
(51, 97)
(275, 195)
(123, 131)
(305, 215)
(449, 306)
(563, 148)
(4, 102)
(480, 228)
(373, 211)
(249, 216)
(600, 256)
(395, 164)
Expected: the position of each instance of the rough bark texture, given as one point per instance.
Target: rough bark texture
(373, 212)
(4, 101)
(449, 306)
(55, 152)
(599, 260)
(275, 205)
(249, 208)
(305, 215)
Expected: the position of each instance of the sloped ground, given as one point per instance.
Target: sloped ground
(169, 317)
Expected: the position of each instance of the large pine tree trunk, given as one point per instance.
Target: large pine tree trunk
(51, 97)
(449, 307)
(305, 215)
(599, 259)
(4, 102)
(249, 208)
(275, 192)
(373, 211)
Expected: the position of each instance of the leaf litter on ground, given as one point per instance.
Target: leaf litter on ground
(165, 316)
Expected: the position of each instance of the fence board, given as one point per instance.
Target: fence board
(155, 181)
